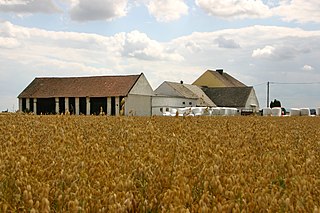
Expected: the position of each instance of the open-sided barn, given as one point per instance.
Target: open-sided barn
(112, 95)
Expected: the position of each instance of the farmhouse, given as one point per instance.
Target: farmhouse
(226, 91)
(217, 78)
(236, 97)
(111, 95)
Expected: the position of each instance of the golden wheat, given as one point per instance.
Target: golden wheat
(156, 164)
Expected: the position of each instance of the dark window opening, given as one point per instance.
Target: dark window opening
(46, 106)
(190, 103)
(167, 109)
(113, 105)
(161, 109)
(24, 105)
(83, 105)
(72, 105)
(183, 102)
(62, 107)
(31, 105)
(96, 104)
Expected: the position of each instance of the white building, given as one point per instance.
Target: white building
(178, 95)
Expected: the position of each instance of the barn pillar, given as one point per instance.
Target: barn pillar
(108, 105)
(117, 105)
(27, 104)
(66, 105)
(57, 105)
(77, 106)
(88, 105)
(35, 106)
(20, 104)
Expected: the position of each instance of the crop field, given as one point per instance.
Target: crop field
(159, 164)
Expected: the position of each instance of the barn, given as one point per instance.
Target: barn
(226, 91)
(111, 95)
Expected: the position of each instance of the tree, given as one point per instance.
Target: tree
(275, 103)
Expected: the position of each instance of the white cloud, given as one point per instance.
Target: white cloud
(139, 45)
(167, 10)
(9, 43)
(235, 8)
(227, 43)
(299, 11)
(266, 52)
(28, 6)
(91, 10)
(307, 68)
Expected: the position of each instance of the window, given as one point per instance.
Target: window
(190, 103)
(167, 109)
(183, 103)
(161, 110)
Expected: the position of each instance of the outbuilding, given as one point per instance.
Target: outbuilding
(111, 95)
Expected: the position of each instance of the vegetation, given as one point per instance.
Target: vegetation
(159, 164)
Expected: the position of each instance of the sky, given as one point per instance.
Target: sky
(256, 41)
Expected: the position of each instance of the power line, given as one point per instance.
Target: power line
(302, 83)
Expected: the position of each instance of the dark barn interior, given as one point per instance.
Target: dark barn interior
(96, 104)
(62, 105)
(46, 106)
(72, 105)
(83, 106)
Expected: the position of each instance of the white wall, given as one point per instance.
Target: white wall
(252, 99)
(138, 105)
(142, 87)
(170, 102)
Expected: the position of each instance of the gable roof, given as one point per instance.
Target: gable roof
(181, 89)
(203, 99)
(228, 96)
(95, 86)
(186, 91)
(222, 78)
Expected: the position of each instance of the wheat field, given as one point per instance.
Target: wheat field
(159, 164)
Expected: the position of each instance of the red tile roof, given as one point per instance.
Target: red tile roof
(96, 86)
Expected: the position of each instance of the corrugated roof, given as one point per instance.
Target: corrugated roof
(228, 96)
(95, 86)
(227, 79)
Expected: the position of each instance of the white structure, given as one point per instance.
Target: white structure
(162, 103)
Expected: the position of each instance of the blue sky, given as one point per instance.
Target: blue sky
(168, 40)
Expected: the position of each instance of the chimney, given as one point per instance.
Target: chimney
(220, 71)
(181, 82)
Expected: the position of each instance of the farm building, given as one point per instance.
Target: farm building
(226, 91)
(217, 78)
(237, 97)
(88, 95)
(178, 95)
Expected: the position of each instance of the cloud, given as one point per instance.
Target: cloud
(299, 11)
(167, 10)
(227, 43)
(235, 8)
(140, 46)
(28, 6)
(280, 52)
(91, 10)
(266, 52)
(9, 43)
(307, 68)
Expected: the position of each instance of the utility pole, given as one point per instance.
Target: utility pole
(268, 93)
